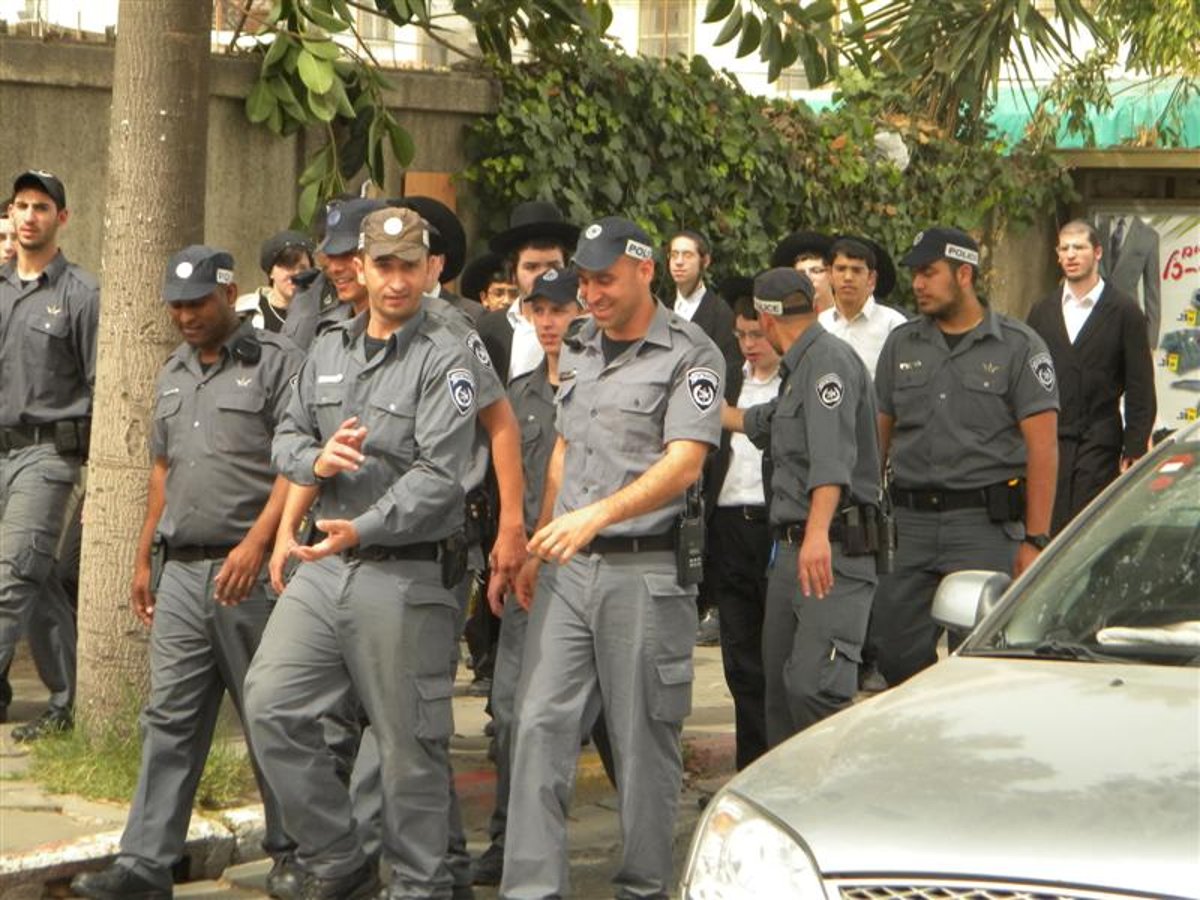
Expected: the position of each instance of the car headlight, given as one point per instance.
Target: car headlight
(740, 854)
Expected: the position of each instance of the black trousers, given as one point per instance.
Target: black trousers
(735, 572)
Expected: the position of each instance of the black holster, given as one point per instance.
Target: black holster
(1006, 500)
(72, 436)
(452, 554)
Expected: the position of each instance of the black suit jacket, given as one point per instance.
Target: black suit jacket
(497, 333)
(1110, 357)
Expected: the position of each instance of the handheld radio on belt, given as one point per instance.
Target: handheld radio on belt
(689, 539)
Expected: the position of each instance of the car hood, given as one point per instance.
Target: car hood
(1083, 774)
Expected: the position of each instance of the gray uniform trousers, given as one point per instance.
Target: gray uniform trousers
(930, 545)
(380, 631)
(812, 647)
(198, 650)
(35, 491)
(614, 629)
(509, 652)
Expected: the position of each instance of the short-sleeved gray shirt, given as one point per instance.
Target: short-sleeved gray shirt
(47, 344)
(957, 412)
(823, 427)
(214, 430)
(532, 398)
(617, 418)
(416, 398)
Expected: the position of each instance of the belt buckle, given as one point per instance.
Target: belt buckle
(634, 546)
(935, 499)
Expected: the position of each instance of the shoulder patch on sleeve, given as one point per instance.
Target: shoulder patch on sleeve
(830, 390)
(1043, 370)
(475, 345)
(462, 390)
(704, 387)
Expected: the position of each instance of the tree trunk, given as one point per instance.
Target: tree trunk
(154, 206)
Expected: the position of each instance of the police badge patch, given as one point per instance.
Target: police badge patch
(830, 390)
(476, 345)
(1043, 370)
(462, 390)
(704, 387)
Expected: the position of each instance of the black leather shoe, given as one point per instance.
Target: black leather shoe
(116, 883)
(709, 632)
(360, 884)
(53, 721)
(488, 867)
(285, 878)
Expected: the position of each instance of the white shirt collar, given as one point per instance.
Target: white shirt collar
(748, 373)
(1088, 299)
(865, 313)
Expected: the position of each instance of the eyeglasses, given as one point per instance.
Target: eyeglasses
(1078, 248)
(503, 293)
(748, 335)
(812, 270)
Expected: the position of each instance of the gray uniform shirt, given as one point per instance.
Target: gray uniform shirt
(532, 398)
(416, 398)
(214, 430)
(618, 417)
(822, 427)
(313, 311)
(957, 412)
(47, 344)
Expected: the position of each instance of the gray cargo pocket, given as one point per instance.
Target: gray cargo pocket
(838, 678)
(34, 561)
(670, 687)
(435, 708)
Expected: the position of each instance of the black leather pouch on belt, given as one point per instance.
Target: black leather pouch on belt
(453, 557)
(1006, 500)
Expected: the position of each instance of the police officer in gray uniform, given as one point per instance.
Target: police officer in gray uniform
(382, 421)
(638, 410)
(824, 504)
(968, 417)
(49, 313)
(214, 502)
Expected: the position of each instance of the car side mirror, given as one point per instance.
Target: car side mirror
(964, 599)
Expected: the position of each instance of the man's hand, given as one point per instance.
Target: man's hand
(239, 572)
(527, 582)
(141, 598)
(1026, 554)
(285, 543)
(508, 553)
(815, 564)
(562, 537)
(1127, 463)
(341, 535)
(498, 586)
(343, 451)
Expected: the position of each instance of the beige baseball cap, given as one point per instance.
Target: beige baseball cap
(397, 232)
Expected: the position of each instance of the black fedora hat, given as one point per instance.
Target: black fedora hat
(797, 243)
(479, 273)
(530, 221)
(733, 288)
(450, 240)
(885, 269)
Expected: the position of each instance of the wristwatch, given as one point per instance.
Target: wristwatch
(1037, 540)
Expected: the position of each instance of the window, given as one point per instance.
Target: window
(374, 28)
(665, 27)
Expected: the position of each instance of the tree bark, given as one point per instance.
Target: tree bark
(154, 206)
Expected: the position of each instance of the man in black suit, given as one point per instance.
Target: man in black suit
(1097, 339)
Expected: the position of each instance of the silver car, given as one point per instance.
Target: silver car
(1055, 755)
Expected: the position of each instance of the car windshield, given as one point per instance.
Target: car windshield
(1126, 585)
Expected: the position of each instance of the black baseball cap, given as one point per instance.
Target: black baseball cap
(343, 223)
(559, 286)
(941, 242)
(783, 291)
(46, 182)
(195, 272)
(606, 240)
(277, 243)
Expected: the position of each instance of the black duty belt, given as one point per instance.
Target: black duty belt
(196, 552)
(793, 532)
(70, 436)
(749, 513)
(939, 501)
(641, 544)
(427, 551)
(17, 437)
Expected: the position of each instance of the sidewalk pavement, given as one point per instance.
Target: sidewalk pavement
(46, 838)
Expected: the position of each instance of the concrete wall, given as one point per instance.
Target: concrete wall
(55, 100)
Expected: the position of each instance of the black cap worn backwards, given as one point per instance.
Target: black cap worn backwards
(783, 291)
(195, 272)
(559, 286)
(277, 243)
(937, 243)
(607, 240)
(44, 181)
(343, 223)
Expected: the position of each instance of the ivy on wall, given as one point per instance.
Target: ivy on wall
(677, 145)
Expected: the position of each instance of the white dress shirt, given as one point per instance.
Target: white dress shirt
(687, 306)
(526, 352)
(743, 485)
(866, 332)
(1076, 310)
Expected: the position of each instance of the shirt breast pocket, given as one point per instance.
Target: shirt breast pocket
(240, 426)
(572, 417)
(328, 410)
(638, 420)
(49, 339)
(166, 423)
(983, 406)
(391, 430)
(910, 397)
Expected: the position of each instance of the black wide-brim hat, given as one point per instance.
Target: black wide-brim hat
(479, 273)
(885, 269)
(799, 242)
(734, 287)
(534, 220)
(450, 240)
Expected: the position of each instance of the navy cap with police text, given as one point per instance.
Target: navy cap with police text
(607, 240)
(195, 272)
(559, 286)
(937, 243)
(783, 291)
(45, 182)
(343, 223)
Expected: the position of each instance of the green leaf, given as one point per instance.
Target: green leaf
(317, 74)
(323, 106)
(717, 10)
(306, 204)
(328, 21)
(751, 34)
(277, 51)
(403, 148)
(730, 29)
(326, 50)
(261, 103)
(345, 108)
